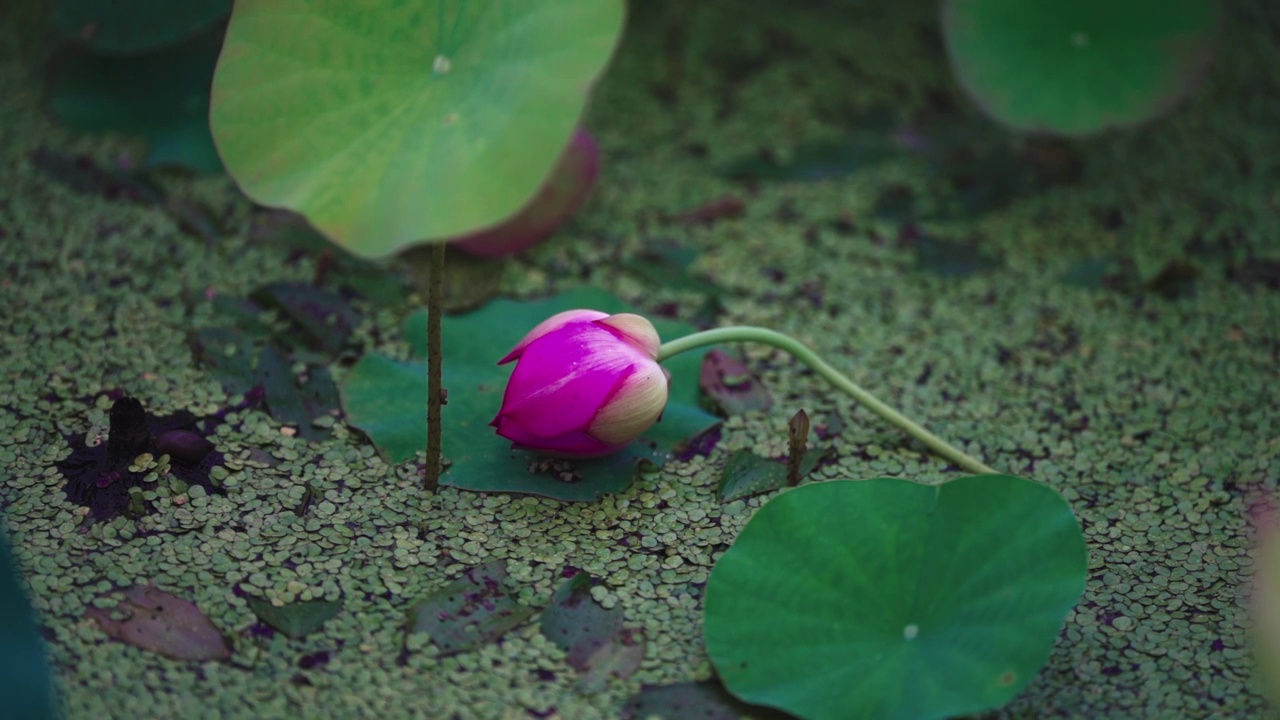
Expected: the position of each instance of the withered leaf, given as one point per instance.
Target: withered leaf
(155, 620)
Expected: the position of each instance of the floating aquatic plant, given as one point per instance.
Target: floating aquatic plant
(1075, 67)
(403, 123)
(886, 598)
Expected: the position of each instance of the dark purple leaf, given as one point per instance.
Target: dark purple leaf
(183, 446)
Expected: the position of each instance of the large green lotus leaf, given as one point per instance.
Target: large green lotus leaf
(1077, 66)
(162, 97)
(386, 398)
(391, 123)
(127, 27)
(24, 672)
(886, 598)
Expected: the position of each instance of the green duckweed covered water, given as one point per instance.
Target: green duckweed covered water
(1152, 410)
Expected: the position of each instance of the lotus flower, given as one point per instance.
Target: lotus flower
(586, 383)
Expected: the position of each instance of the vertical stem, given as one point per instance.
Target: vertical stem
(435, 292)
(798, 441)
(323, 263)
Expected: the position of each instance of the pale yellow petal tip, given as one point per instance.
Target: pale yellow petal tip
(637, 330)
(636, 407)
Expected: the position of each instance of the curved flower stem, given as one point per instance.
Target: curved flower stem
(830, 374)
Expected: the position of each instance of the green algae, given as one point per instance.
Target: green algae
(1150, 415)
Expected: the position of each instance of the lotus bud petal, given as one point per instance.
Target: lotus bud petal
(585, 384)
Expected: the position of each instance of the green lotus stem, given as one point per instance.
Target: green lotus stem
(833, 376)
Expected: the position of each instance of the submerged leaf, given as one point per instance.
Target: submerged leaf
(155, 620)
(669, 267)
(706, 700)
(228, 355)
(323, 316)
(619, 658)
(746, 474)
(296, 619)
(592, 636)
(470, 611)
(469, 280)
(383, 284)
(293, 403)
(731, 386)
(1091, 273)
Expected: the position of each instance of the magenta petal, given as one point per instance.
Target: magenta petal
(564, 378)
(551, 324)
(571, 444)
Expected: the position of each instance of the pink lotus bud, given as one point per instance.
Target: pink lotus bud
(586, 384)
(565, 190)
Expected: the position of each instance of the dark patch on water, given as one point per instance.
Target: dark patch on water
(98, 476)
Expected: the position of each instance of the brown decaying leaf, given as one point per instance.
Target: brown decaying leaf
(163, 623)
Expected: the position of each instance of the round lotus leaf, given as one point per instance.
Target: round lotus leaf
(393, 123)
(886, 598)
(1075, 67)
